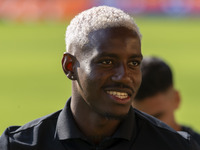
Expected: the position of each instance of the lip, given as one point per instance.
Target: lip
(120, 99)
(129, 91)
(123, 94)
(119, 87)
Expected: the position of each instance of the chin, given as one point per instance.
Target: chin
(111, 116)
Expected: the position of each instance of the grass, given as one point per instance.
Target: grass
(32, 83)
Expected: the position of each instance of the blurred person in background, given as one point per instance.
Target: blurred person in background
(157, 95)
(103, 62)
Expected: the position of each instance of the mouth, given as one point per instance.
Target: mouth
(120, 95)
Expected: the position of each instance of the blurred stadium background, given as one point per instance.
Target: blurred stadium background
(32, 83)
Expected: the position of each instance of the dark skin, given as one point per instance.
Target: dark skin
(106, 76)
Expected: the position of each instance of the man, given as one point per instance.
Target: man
(157, 95)
(103, 61)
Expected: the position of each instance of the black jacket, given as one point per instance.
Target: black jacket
(58, 131)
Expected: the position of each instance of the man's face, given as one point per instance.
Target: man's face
(109, 72)
(162, 105)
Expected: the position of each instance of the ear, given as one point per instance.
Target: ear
(68, 65)
(177, 99)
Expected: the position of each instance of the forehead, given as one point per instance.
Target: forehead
(112, 38)
(112, 33)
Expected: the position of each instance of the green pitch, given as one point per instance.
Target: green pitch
(32, 83)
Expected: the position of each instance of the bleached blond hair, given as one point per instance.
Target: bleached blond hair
(94, 19)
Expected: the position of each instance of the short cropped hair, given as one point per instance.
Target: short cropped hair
(94, 19)
(156, 77)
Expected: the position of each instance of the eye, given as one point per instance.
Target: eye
(134, 63)
(106, 62)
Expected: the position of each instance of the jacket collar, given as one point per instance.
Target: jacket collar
(68, 129)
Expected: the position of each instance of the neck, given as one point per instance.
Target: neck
(172, 122)
(97, 129)
(93, 125)
(175, 126)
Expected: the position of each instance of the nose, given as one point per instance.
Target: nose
(121, 74)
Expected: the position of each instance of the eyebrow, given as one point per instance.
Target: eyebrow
(105, 54)
(137, 56)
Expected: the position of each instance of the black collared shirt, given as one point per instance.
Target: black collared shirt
(59, 131)
(194, 135)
